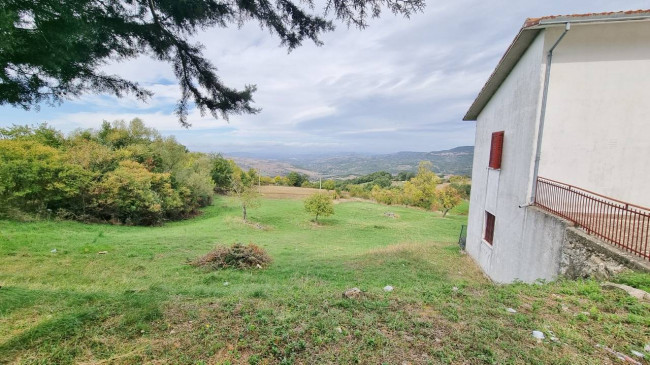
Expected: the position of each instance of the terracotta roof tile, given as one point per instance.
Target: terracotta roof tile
(530, 22)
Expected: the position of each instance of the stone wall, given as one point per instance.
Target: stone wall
(585, 256)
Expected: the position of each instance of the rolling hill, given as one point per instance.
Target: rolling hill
(456, 161)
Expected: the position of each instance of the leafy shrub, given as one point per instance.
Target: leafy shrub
(122, 173)
(33, 176)
(132, 194)
(237, 256)
(357, 191)
(385, 196)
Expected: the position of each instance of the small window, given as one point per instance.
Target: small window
(489, 228)
(496, 149)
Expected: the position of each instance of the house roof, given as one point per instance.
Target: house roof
(531, 28)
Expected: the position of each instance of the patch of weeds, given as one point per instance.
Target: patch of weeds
(634, 279)
(481, 352)
(259, 293)
(451, 313)
(211, 279)
(583, 317)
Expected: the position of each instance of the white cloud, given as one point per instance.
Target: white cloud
(397, 85)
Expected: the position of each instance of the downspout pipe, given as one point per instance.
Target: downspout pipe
(542, 116)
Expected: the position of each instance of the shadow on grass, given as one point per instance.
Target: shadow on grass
(412, 263)
(74, 318)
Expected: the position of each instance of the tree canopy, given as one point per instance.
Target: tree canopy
(319, 204)
(53, 50)
(123, 173)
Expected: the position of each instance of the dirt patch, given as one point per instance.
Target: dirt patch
(257, 225)
(287, 192)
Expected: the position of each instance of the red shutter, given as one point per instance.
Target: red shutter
(496, 149)
(489, 228)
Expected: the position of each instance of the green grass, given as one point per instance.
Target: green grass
(141, 302)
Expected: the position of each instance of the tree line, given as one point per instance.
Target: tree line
(127, 173)
(122, 173)
(423, 189)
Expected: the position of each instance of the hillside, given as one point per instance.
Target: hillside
(457, 161)
(75, 293)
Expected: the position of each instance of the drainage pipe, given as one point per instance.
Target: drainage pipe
(542, 116)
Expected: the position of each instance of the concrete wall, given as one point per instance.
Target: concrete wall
(597, 128)
(513, 109)
(596, 137)
(584, 256)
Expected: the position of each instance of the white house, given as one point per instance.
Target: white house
(562, 125)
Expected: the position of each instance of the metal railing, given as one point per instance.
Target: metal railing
(462, 237)
(622, 224)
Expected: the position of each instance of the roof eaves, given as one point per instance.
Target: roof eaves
(508, 61)
(526, 35)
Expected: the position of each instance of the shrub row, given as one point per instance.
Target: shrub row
(122, 173)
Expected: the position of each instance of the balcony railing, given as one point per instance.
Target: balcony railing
(621, 224)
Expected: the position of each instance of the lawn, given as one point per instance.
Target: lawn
(141, 302)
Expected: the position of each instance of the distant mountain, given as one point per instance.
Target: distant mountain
(456, 161)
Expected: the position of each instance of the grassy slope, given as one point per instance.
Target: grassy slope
(142, 303)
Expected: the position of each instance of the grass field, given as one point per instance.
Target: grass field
(141, 303)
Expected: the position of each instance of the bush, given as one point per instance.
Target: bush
(122, 173)
(34, 177)
(237, 256)
(357, 191)
(131, 194)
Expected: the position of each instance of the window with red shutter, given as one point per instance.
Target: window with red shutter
(489, 228)
(496, 150)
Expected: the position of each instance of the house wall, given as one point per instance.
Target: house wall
(520, 249)
(597, 127)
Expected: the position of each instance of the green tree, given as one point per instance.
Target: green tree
(195, 175)
(222, 170)
(132, 194)
(329, 184)
(382, 182)
(124, 172)
(420, 191)
(405, 176)
(447, 198)
(296, 179)
(42, 134)
(52, 50)
(319, 204)
(462, 184)
(34, 177)
(244, 190)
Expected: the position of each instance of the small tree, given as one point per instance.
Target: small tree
(243, 188)
(420, 191)
(448, 197)
(296, 179)
(319, 204)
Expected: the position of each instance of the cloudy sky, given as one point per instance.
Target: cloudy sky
(399, 85)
